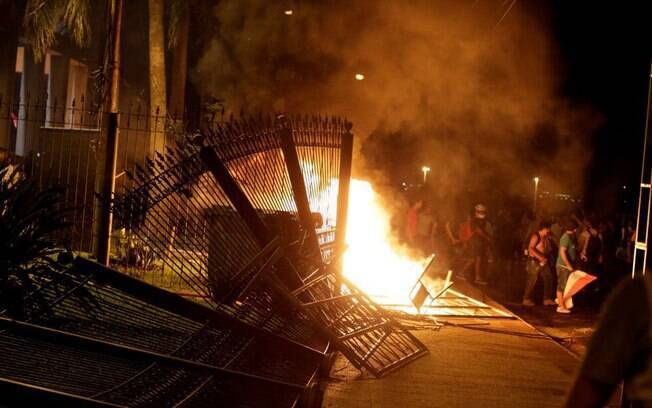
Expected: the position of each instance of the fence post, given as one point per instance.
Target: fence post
(105, 184)
(298, 185)
(346, 161)
(108, 189)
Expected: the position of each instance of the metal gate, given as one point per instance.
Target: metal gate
(266, 200)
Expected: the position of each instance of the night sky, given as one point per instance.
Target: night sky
(606, 49)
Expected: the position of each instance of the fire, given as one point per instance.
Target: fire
(374, 260)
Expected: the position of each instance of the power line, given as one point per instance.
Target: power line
(506, 12)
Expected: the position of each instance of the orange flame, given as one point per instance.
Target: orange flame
(374, 260)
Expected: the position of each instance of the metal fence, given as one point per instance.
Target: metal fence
(60, 144)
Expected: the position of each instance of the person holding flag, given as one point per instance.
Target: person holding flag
(566, 261)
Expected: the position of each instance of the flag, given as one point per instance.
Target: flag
(577, 280)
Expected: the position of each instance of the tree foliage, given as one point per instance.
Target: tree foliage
(46, 18)
(29, 217)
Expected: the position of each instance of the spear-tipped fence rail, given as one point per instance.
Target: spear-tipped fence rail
(97, 337)
(266, 201)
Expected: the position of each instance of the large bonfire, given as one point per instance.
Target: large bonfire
(374, 259)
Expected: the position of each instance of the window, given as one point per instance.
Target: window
(77, 80)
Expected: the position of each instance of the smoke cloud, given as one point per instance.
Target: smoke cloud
(444, 85)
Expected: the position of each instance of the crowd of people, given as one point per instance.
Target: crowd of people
(513, 252)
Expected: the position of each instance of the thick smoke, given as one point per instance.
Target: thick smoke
(444, 85)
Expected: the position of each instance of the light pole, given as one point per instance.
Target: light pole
(425, 170)
(108, 155)
(536, 189)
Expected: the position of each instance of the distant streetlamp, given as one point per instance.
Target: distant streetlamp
(536, 189)
(359, 77)
(425, 170)
(289, 12)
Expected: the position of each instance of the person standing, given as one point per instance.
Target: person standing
(481, 242)
(424, 230)
(412, 222)
(566, 261)
(591, 254)
(459, 234)
(504, 250)
(556, 229)
(538, 265)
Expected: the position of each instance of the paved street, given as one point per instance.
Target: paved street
(472, 363)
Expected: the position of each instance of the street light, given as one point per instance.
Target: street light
(359, 77)
(425, 170)
(536, 189)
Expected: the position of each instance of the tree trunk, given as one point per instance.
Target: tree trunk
(179, 72)
(157, 92)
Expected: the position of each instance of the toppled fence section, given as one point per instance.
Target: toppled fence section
(268, 202)
(97, 334)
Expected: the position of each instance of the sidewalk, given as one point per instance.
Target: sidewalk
(500, 363)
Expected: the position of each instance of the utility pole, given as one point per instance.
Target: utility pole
(536, 193)
(108, 153)
(640, 258)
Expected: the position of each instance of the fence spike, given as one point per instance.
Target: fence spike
(160, 160)
(150, 165)
(169, 156)
(140, 172)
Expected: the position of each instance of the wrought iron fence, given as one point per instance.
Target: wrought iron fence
(269, 193)
(59, 143)
(92, 332)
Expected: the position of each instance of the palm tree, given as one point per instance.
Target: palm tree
(44, 19)
(178, 30)
(168, 107)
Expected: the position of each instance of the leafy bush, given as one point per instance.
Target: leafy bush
(132, 251)
(28, 218)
